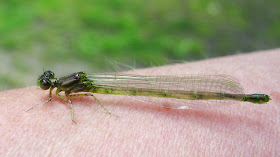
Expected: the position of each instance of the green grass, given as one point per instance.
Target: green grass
(140, 33)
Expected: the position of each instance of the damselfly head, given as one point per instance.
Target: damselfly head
(44, 81)
(48, 74)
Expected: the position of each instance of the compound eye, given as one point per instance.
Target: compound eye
(51, 75)
(44, 84)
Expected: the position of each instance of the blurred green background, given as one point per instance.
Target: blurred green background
(91, 35)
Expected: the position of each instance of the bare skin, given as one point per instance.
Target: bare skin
(240, 129)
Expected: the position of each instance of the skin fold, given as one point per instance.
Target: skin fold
(142, 129)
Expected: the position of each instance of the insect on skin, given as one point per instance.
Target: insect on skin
(192, 88)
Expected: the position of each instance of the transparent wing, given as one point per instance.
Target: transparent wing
(198, 83)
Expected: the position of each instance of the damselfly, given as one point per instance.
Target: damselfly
(195, 89)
